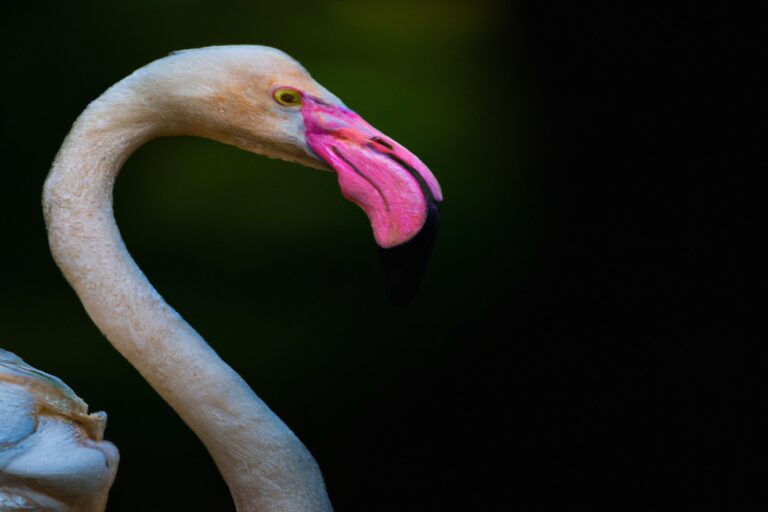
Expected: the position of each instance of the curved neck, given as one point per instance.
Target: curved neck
(265, 465)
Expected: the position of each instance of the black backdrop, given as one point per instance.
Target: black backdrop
(582, 335)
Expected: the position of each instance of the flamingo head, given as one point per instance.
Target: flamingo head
(262, 100)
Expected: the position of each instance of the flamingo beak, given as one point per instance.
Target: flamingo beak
(394, 188)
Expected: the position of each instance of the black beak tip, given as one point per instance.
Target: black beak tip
(405, 264)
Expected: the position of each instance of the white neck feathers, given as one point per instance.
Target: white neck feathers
(266, 466)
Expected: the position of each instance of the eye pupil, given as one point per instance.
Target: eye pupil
(288, 97)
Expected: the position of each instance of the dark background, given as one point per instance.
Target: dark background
(581, 335)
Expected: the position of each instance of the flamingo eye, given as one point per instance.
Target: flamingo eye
(287, 97)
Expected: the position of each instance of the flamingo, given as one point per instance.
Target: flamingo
(261, 100)
(52, 453)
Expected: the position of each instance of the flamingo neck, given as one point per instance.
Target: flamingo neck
(265, 465)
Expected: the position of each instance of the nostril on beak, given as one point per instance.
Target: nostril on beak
(379, 140)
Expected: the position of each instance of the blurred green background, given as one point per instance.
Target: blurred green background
(264, 258)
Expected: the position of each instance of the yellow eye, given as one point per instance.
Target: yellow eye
(287, 97)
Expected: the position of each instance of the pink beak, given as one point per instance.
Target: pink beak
(392, 186)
